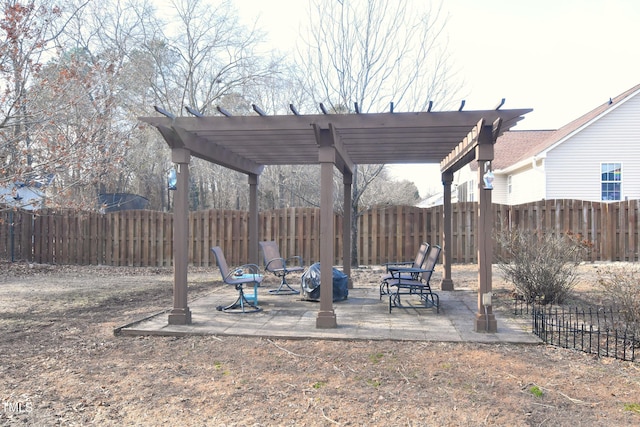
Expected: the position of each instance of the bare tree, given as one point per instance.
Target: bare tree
(203, 58)
(82, 147)
(385, 191)
(202, 55)
(116, 32)
(30, 34)
(373, 53)
(91, 85)
(283, 186)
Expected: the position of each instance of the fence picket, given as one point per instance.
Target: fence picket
(145, 238)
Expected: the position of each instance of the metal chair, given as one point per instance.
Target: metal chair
(403, 269)
(238, 277)
(419, 287)
(280, 267)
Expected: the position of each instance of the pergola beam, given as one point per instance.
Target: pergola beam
(462, 151)
(427, 121)
(217, 154)
(397, 137)
(170, 136)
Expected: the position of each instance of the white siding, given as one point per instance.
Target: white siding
(464, 174)
(462, 177)
(571, 170)
(527, 185)
(499, 194)
(573, 167)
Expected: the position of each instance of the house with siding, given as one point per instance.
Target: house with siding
(596, 157)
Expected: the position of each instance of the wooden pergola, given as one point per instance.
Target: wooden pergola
(248, 143)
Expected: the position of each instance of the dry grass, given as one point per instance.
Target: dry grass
(60, 359)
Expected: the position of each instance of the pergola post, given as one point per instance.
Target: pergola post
(180, 315)
(326, 315)
(485, 320)
(253, 219)
(447, 283)
(347, 180)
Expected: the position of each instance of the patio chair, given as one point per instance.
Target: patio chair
(238, 277)
(280, 267)
(419, 287)
(403, 269)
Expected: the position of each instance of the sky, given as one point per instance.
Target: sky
(562, 58)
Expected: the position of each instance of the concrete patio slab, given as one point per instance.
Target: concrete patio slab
(363, 316)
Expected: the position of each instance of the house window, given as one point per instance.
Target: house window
(471, 196)
(509, 183)
(611, 181)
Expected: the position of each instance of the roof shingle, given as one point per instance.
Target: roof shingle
(515, 146)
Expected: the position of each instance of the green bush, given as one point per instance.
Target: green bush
(621, 286)
(541, 265)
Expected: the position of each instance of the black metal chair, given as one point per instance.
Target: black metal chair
(419, 287)
(280, 267)
(238, 277)
(403, 269)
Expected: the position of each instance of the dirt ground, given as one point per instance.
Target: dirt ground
(60, 364)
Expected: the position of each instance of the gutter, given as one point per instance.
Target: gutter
(532, 161)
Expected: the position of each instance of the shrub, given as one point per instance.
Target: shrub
(621, 286)
(541, 265)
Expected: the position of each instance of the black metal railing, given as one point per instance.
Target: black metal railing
(602, 331)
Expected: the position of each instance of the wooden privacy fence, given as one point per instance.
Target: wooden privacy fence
(145, 238)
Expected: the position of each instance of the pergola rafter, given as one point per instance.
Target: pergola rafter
(248, 143)
(200, 148)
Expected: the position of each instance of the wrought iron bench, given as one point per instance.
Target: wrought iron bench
(403, 269)
(420, 286)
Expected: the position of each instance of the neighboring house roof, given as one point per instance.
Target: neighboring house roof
(516, 146)
(434, 200)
